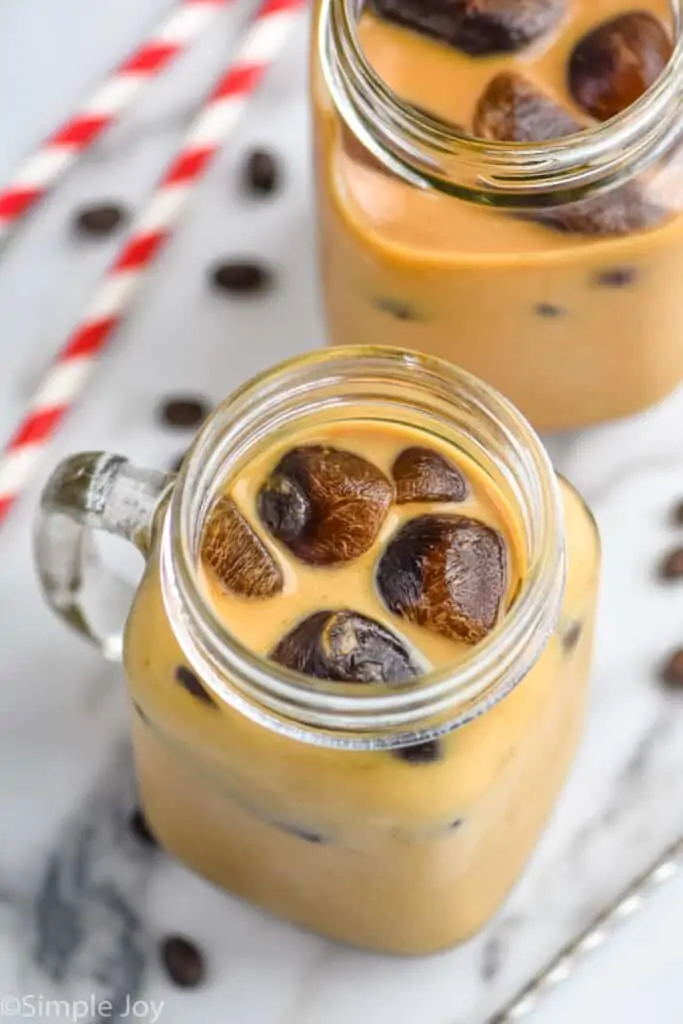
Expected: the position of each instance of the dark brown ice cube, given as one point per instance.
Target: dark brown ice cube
(236, 555)
(513, 109)
(345, 646)
(621, 211)
(422, 474)
(614, 64)
(447, 573)
(477, 27)
(325, 504)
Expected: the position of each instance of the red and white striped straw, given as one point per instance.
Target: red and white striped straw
(75, 361)
(39, 172)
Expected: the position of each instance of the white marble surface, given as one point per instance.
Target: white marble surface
(63, 762)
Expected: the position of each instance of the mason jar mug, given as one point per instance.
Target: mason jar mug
(452, 220)
(392, 818)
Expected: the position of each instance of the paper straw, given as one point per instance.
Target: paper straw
(65, 380)
(40, 171)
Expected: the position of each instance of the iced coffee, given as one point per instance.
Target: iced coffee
(568, 303)
(362, 554)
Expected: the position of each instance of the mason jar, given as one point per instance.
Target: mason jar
(551, 270)
(392, 819)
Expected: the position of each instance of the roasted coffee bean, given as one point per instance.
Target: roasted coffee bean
(672, 672)
(477, 27)
(184, 411)
(139, 826)
(100, 219)
(446, 573)
(421, 474)
(241, 277)
(616, 277)
(345, 646)
(420, 753)
(236, 555)
(261, 172)
(672, 565)
(183, 961)
(189, 681)
(614, 64)
(325, 504)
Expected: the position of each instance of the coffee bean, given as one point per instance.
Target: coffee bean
(397, 308)
(240, 277)
(672, 672)
(100, 219)
(420, 753)
(546, 309)
(189, 681)
(616, 277)
(261, 172)
(139, 826)
(672, 565)
(677, 514)
(184, 412)
(183, 961)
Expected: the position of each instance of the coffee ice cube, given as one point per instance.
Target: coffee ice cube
(345, 646)
(447, 573)
(477, 27)
(326, 505)
(236, 555)
(514, 109)
(422, 474)
(616, 62)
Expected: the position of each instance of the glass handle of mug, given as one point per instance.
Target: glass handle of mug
(86, 493)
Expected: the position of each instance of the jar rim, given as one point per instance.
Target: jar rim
(428, 151)
(334, 714)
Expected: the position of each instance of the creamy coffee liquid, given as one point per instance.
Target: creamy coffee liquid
(261, 623)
